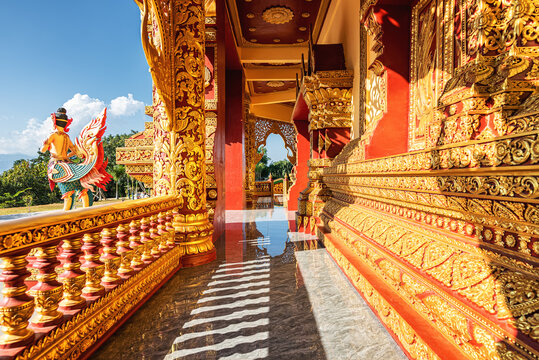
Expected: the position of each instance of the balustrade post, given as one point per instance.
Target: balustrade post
(47, 292)
(124, 251)
(162, 232)
(93, 267)
(136, 245)
(110, 258)
(16, 307)
(156, 238)
(170, 229)
(73, 277)
(147, 242)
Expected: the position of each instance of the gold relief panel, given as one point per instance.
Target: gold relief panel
(408, 339)
(466, 329)
(427, 73)
(139, 169)
(504, 151)
(135, 155)
(501, 291)
(375, 97)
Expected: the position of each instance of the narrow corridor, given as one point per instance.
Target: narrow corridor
(271, 294)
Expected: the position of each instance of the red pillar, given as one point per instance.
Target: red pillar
(219, 138)
(234, 159)
(302, 169)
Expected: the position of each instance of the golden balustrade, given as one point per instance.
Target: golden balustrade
(110, 259)
(263, 188)
(271, 188)
(278, 187)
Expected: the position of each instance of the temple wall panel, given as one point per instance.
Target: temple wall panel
(385, 134)
(432, 207)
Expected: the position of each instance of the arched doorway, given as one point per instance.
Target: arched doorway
(257, 132)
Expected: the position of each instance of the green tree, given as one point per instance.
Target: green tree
(12, 200)
(118, 175)
(265, 167)
(279, 169)
(31, 175)
(261, 169)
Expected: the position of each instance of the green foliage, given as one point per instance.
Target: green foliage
(277, 169)
(261, 169)
(30, 177)
(12, 200)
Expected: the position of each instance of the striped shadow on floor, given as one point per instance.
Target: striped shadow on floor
(231, 314)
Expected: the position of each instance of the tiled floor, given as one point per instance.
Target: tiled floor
(271, 294)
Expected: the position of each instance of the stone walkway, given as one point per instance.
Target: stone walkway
(272, 294)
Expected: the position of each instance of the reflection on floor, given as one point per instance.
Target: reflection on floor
(272, 294)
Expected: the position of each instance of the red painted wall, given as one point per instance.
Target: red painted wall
(339, 138)
(391, 135)
(234, 193)
(302, 169)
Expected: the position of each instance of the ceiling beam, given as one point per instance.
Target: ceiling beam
(271, 53)
(269, 74)
(277, 112)
(274, 97)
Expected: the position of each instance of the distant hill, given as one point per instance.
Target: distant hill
(7, 160)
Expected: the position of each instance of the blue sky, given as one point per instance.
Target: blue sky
(83, 55)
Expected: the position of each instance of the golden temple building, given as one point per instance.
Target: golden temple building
(409, 226)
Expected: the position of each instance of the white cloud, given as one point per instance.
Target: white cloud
(81, 107)
(28, 140)
(125, 106)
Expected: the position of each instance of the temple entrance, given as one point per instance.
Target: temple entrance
(270, 149)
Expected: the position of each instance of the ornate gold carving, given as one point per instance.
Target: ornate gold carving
(407, 337)
(426, 51)
(257, 131)
(275, 84)
(329, 97)
(177, 66)
(510, 150)
(193, 233)
(34, 232)
(375, 97)
(497, 289)
(277, 15)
